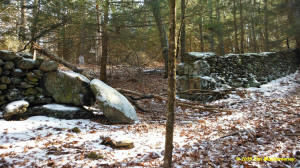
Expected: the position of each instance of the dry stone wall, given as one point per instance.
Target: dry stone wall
(21, 78)
(33, 87)
(201, 73)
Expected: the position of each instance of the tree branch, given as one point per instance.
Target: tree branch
(43, 33)
(54, 57)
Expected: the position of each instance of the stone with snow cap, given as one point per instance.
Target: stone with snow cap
(113, 104)
(15, 108)
(27, 63)
(59, 111)
(68, 87)
(48, 66)
(193, 56)
(7, 55)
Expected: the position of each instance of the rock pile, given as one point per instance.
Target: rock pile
(206, 71)
(21, 76)
(28, 87)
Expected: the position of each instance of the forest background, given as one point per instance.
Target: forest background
(135, 33)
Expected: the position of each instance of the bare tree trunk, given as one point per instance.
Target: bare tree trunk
(182, 33)
(98, 47)
(155, 7)
(253, 33)
(211, 39)
(22, 35)
(236, 42)
(266, 26)
(201, 33)
(104, 43)
(296, 14)
(242, 27)
(171, 90)
(220, 30)
(35, 19)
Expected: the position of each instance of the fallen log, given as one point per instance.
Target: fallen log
(192, 105)
(54, 57)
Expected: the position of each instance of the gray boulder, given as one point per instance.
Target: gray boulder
(9, 65)
(7, 55)
(48, 66)
(27, 63)
(68, 87)
(3, 86)
(113, 104)
(15, 108)
(13, 94)
(59, 111)
(18, 73)
(1, 62)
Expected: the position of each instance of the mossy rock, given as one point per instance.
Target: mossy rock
(3, 86)
(68, 88)
(32, 77)
(48, 66)
(7, 55)
(5, 80)
(9, 65)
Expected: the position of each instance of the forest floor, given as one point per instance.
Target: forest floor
(263, 122)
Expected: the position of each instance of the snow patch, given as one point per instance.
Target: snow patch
(203, 55)
(267, 53)
(59, 107)
(76, 75)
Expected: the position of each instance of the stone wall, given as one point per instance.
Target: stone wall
(21, 78)
(201, 73)
(36, 87)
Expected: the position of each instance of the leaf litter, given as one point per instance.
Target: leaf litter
(264, 122)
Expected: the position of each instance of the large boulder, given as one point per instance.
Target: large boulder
(59, 111)
(48, 66)
(68, 87)
(15, 108)
(113, 104)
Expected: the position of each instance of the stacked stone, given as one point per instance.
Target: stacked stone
(207, 71)
(21, 78)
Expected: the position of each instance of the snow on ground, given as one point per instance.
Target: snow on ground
(263, 122)
(60, 107)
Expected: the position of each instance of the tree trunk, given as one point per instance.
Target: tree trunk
(35, 19)
(155, 8)
(220, 30)
(98, 46)
(296, 14)
(201, 33)
(242, 28)
(211, 39)
(266, 26)
(104, 43)
(236, 42)
(171, 89)
(182, 33)
(22, 35)
(253, 24)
